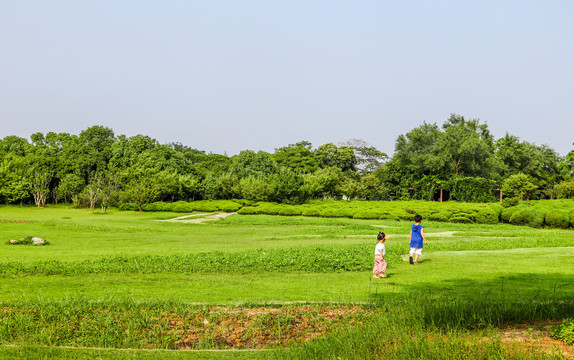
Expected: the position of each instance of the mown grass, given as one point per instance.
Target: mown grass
(470, 277)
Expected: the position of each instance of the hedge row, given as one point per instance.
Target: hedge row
(539, 213)
(397, 210)
(186, 207)
(536, 213)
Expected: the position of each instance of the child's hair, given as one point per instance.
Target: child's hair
(381, 236)
(418, 218)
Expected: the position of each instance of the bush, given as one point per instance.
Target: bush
(510, 202)
(311, 212)
(156, 206)
(393, 215)
(564, 331)
(368, 214)
(206, 206)
(557, 219)
(528, 216)
(497, 209)
(486, 216)
(128, 207)
(229, 207)
(180, 206)
(461, 219)
(289, 211)
(443, 216)
(247, 211)
(507, 213)
(336, 213)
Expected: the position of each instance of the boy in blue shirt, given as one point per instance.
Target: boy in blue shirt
(417, 237)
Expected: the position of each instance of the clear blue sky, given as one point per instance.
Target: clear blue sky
(225, 76)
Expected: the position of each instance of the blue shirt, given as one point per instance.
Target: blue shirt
(416, 237)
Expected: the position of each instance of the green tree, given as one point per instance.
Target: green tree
(416, 156)
(14, 179)
(249, 163)
(143, 187)
(518, 185)
(286, 186)
(371, 188)
(70, 188)
(298, 157)
(369, 159)
(39, 185)
(322, 183)
(255, 188)
(567, 165)
(469, 147)
(565, 190)
(541, 163)
(342, 157)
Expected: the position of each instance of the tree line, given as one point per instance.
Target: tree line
(459, 160)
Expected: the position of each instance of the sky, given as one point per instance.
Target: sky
(225, 76)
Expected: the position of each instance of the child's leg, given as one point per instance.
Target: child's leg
(416, 258)
(384, 269)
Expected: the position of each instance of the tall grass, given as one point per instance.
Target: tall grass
(415, 326)
(301, 259)
(420, 327)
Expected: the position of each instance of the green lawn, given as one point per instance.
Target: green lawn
(463, 264)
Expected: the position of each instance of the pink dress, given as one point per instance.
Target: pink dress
(380, 263)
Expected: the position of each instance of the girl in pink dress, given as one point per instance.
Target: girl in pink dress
(380, 263)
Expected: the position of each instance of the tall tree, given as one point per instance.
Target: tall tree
(369, 159)
(298, 157)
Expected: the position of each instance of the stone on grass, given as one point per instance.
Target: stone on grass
(38, 241)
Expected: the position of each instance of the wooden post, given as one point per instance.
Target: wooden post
(440, 194)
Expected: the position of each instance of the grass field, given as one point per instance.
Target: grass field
(125, 285)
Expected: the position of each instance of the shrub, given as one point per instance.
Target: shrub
(572, 218)
(247, 211)
(207, 206)
(507, 213)
(564, 331)
(289, 211)
(528, 216)
(461, 219)
(393, 215)
(557, 219)
(497, 209)
(128, 207)
(156, 206)
(180, 206)
(336, 213)
(440, 216)
(510, 202)
(368, 214)
(229, 207)
(311, 212)
(486, 216)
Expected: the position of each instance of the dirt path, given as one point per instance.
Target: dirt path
(211, 216)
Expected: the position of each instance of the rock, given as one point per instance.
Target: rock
(38, 241)
(13, 241)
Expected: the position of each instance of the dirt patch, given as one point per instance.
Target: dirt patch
(17, 221)
(535, 336)
(261, 328)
